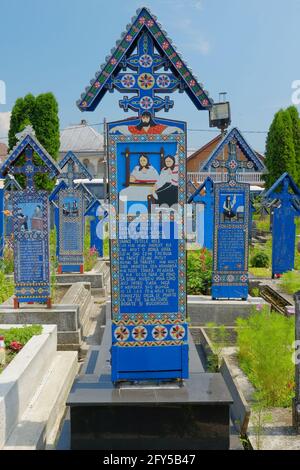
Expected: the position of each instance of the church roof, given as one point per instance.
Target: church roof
(81, 138)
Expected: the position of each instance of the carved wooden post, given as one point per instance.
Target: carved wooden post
(1, 217)
(296, 400)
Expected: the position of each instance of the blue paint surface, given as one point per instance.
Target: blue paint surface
(205, 195)
(231, 242)
(1, 218)
(285, 192)
(149, 330)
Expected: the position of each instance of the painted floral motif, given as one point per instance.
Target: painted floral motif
(142, 20)
(192, 83)
(216, 163)
(139, 333)
(178, 64)
(150, 23)
(97, 85)
(146, 102)
(128, 38)
(159, 333)
(113, 61)
(205, 102)
(230, 278)
(146, 81)
(128, 81)
(177, 332)
(217, 278)
(163, 81)
(121, 333)
(165, 45)
(250, 165)
(145, 60)
(244, 278)
(232, 183)
(232, 164)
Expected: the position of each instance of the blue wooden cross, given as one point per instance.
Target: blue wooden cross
(286, 194)
(11, 184)
(208, 200)
(145, 82)
(69, 163)
(232, 164)
(70, 244)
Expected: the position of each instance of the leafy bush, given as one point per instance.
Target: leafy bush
(260, 260)
(90, 254)
(290, 282)
(263, 224)
(16, 338)
(8, 260)
(20, 335)
(6, 287)
(265, 355)
(199, 272)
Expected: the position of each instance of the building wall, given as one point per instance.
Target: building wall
(93, 162)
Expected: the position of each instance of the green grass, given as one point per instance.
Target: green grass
(6, 288)
(290, 282)
(265, 355)
(261, 272)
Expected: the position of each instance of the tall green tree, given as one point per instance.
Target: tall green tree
(292, 110)
(280, 149)
(42, 113)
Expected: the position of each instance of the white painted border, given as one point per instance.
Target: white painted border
(20, 379)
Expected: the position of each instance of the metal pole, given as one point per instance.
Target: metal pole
(105, 160)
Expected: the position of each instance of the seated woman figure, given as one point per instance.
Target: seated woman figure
(166, 188)
(144, 172)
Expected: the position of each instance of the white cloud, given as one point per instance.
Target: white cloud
(201, 45)
(4, 125)
(198, 5)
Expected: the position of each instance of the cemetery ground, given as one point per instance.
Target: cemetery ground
(252, 353)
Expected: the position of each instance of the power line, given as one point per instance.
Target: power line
(70, 128)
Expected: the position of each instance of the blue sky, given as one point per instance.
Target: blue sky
(247, 48)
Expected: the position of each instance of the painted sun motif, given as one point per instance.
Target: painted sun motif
(146, 81)
(233, 164)
(159, 332)
(121, 333)
(128, 80)
(145, 60)
(163, 81)
(139, 333)
(146, 102)
(177, 332)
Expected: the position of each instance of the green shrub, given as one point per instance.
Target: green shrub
(22, 335)
(260, 260)
(90, 254)
(263, 224)
(19, 335)
(6, 287)
(8, 259)
(199, 272)
(290, 282)
(265, 355)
